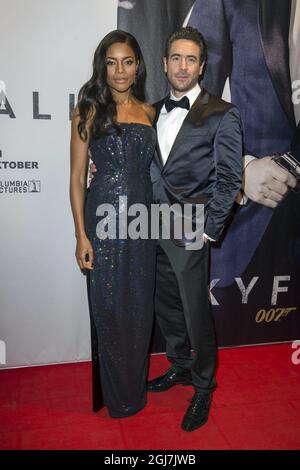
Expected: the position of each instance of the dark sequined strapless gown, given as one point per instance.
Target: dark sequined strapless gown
(121, 285)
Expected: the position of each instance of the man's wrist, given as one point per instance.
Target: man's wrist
(206, 237)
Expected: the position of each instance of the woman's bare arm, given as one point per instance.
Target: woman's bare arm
(79, 166)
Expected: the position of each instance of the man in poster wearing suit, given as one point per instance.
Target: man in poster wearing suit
(253, 42)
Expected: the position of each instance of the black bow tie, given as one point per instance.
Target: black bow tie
(171, 104)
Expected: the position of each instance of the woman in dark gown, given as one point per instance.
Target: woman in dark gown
(113, 126)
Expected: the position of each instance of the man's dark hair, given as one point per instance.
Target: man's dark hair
(191, 34)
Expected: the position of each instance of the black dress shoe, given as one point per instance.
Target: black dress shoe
(169, 379)
(197, 413)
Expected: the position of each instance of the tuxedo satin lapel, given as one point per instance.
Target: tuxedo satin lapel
(192, 117)
(157, 154)
(274, 24)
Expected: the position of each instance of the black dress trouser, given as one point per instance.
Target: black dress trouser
(183, 311)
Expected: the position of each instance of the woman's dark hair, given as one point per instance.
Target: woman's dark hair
(95, 95)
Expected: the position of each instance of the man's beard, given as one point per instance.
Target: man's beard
(187, 86)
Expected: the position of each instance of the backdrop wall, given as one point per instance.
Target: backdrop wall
(46, 52)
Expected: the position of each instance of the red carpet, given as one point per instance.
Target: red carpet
(256, 406)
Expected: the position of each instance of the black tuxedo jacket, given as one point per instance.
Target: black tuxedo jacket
(205, 163)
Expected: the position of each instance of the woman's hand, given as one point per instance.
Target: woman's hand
(84, 253)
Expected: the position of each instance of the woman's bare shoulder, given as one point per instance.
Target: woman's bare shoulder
(150, 111)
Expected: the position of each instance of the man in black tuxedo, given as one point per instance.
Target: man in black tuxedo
(198, 160)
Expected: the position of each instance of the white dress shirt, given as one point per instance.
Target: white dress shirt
(168, 124)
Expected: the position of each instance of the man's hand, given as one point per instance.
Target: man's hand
(92, 170)
(267, 183)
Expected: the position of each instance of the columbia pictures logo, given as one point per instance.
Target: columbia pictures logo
(34, 186)
(13, 187)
